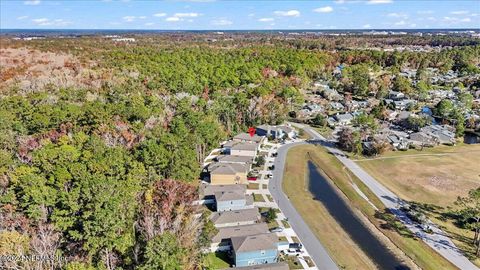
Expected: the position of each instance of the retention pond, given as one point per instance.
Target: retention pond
(326, 193)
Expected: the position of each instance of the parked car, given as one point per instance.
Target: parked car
(276, 229)
(274, 154)
(272, 167)
(252, 178)
(295, 246)
(292, 251)
(269, 175)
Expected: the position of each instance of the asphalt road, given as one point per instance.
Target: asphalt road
(437, 240)
(316, 250)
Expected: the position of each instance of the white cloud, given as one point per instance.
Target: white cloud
(287, 13)
(32, 3)
(455, 20)
(149, 24)
(22, 17)
(459, 12)
(326, 9)
(266, 20)
(161, 14)
(188, 14)
(221, 22)
(48, 22)
(172, 19)
(397, 15)
(367, 26)
(41, 20)
(400, 23)
(378, 2)
(346, 1)
(142, 17)
(129, 18)
(251, 15)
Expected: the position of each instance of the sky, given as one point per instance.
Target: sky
(238, 15)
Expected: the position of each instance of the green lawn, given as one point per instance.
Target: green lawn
(217, 260)
(285, 224)
(258, 198)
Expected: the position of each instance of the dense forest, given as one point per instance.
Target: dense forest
(104, 175)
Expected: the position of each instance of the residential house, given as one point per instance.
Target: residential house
(422, 139)
(403, 104)
(394, 95)
(245, 160)
(255, 249)
(227, 173)
(270, 266)
(221, 240)
(207, 192)
(276, 132)
(313, 109)
(231, 200)
(244, 149)
(445, 134)
(340, 119)
(235, 218)
(398, 142)
(245, 137)
(331, 94)
(336, 106)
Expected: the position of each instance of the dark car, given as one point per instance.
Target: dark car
(271, 167)
(295, 246)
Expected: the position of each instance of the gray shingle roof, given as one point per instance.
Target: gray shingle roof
(236, 231)
(245, 146)
(209, 190)
(265, 241)
(235, 216)
(226, 168)
(234, 159)
(246, 137)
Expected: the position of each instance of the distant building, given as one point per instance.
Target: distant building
(276, 132)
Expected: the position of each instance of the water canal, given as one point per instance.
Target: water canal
(324, 192)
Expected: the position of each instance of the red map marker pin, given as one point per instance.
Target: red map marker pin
(251, 130)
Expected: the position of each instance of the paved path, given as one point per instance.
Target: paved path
(438, 240)
(317, 252)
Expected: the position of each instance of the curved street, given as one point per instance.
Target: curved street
(316, 250)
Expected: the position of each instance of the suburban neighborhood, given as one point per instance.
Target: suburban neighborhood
(251, 230)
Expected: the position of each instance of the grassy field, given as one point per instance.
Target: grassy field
(327, 229)
(434, 176)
